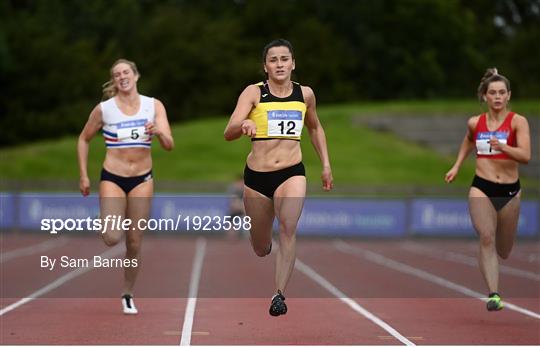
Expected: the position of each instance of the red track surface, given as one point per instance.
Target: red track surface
(396, 281)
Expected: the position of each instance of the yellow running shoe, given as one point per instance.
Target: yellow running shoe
(494, 303)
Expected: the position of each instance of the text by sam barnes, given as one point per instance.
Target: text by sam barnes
(96, 261)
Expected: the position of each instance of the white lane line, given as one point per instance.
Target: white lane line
(466, 260)
(404, 268)
(351, 303)
(60, 281)
(200, 249)
(29, 250)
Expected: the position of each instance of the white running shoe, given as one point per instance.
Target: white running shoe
(128, 304)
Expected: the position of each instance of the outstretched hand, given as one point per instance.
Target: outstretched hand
(327, 179)
(84, 186)
(450, 175)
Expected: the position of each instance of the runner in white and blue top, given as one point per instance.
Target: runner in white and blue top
(128, 122)
(123, 131)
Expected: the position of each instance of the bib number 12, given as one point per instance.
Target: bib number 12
(289, 127)
(284, 123)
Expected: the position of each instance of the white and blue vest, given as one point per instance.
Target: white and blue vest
(123, 131)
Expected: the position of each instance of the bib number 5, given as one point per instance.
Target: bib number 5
(132, 131)
(134, 134)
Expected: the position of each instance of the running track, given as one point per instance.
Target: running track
(206, 290)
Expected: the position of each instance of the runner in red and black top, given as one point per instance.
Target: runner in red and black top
(502, 141)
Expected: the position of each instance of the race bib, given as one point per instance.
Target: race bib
(284, 123)
(132, 131)
(482, 142)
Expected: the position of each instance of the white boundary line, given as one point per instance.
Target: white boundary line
(404, 268)
(351, 303)
(466, 260)
(29, 250)
(59, 281)
(200, 249)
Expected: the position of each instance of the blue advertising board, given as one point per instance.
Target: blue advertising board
(353, 217)
(34, 208)
(7, 211)
(323, 217)
(444, 217)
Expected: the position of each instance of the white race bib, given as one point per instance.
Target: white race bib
(284, 123)
(132, 131)
(482, 142)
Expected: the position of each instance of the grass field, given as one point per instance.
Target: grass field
(359, 156)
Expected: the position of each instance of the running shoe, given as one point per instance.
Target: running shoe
(494, 303)
(128, 304)
(278, 307)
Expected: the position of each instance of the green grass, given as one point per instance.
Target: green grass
(359, 156)
(362, 156)
(528, 108)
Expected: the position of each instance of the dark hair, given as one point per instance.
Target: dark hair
(491, 75)
(277, 43)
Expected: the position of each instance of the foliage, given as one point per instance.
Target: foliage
(197, 56)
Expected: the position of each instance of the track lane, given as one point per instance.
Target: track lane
(431, 317)
(237, 314)
(95, 316)
(234, 296)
